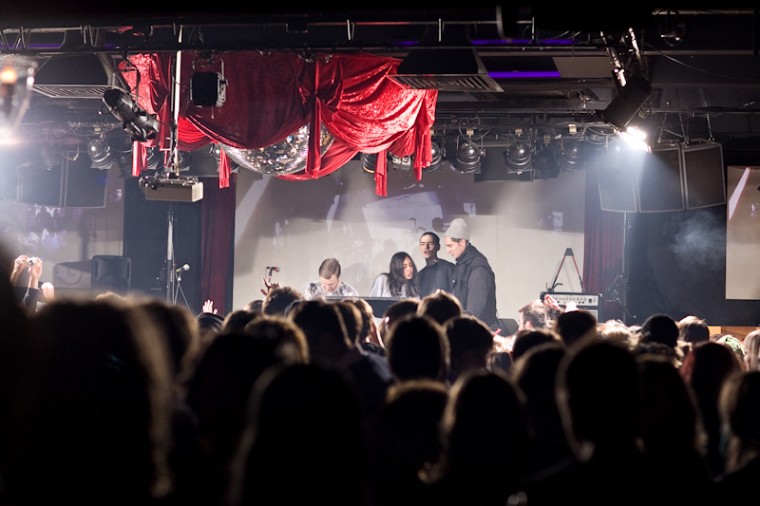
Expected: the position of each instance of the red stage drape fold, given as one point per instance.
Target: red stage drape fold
(271, 95)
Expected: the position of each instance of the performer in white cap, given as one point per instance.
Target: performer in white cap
(474, 282)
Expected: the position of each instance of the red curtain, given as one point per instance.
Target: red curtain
(603, 247)
(271, 95)
(217, 232)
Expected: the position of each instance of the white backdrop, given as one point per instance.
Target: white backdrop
(523, 228)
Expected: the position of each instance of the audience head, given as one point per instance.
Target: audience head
(692, 329)
(740, 412)
(670, 425)
(303, 441)
(470, 342)
(235, 321)
(352, 319)
(751, 345)
(440, 306)
(395, 312)
(417, 348)
(533, 315)
(573, 326)
(660, 328)
(598, 395)
(324, 328)
(526, 339)
(617, 331)
(485, 439)
(734, 345)
(95, 426)
(368, 333)
(181, 330)
(279, 300)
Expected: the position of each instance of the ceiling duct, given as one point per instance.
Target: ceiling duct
(448, 64)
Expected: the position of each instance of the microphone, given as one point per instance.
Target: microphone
(274, 268)
(184, 268)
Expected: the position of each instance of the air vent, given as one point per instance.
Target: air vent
(449, 82)
(87, 91)
(445, 69)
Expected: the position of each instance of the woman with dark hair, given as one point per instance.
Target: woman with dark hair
(401, 280)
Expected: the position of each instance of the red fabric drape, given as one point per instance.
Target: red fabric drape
(271, 95)
(602, 246)
(217, 230)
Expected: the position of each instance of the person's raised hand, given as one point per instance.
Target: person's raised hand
(268, 286)
(208, 306)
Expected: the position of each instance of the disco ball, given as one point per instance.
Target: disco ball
(285, 157)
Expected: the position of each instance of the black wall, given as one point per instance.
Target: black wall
(677, 263)
(146, 227)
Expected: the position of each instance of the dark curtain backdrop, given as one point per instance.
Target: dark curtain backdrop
(217, 244)
(603, 251)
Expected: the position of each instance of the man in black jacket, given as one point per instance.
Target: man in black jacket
(474, 281)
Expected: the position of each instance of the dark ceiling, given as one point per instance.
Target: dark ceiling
(552, 68)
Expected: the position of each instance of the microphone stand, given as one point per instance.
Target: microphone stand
(178, 273)
(171, 273)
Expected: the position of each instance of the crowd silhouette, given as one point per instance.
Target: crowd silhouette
(122, 400)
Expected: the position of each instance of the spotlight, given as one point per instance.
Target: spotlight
(518, 157)
(467, 159)
(16, 82)
(136, 121)
(436, 158)
(369, 162)
(571, 153)
(545, 163)
(100, 153)
(628, 101)
(208, 88)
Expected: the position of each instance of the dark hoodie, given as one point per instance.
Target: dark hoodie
(475, 285)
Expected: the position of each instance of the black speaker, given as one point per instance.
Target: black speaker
(704, 175)
(617, 190)
(661, 181)
(111, 273)
(40, 186)
(72, 183)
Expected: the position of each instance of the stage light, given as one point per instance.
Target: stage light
(467, 155)
(140, 125)
(436, 157)
(100, 153)
(545, 163)
(625, 106)
(16, 83)
(519, 154)
(571, 153)
(208, 87)
(369, 162)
